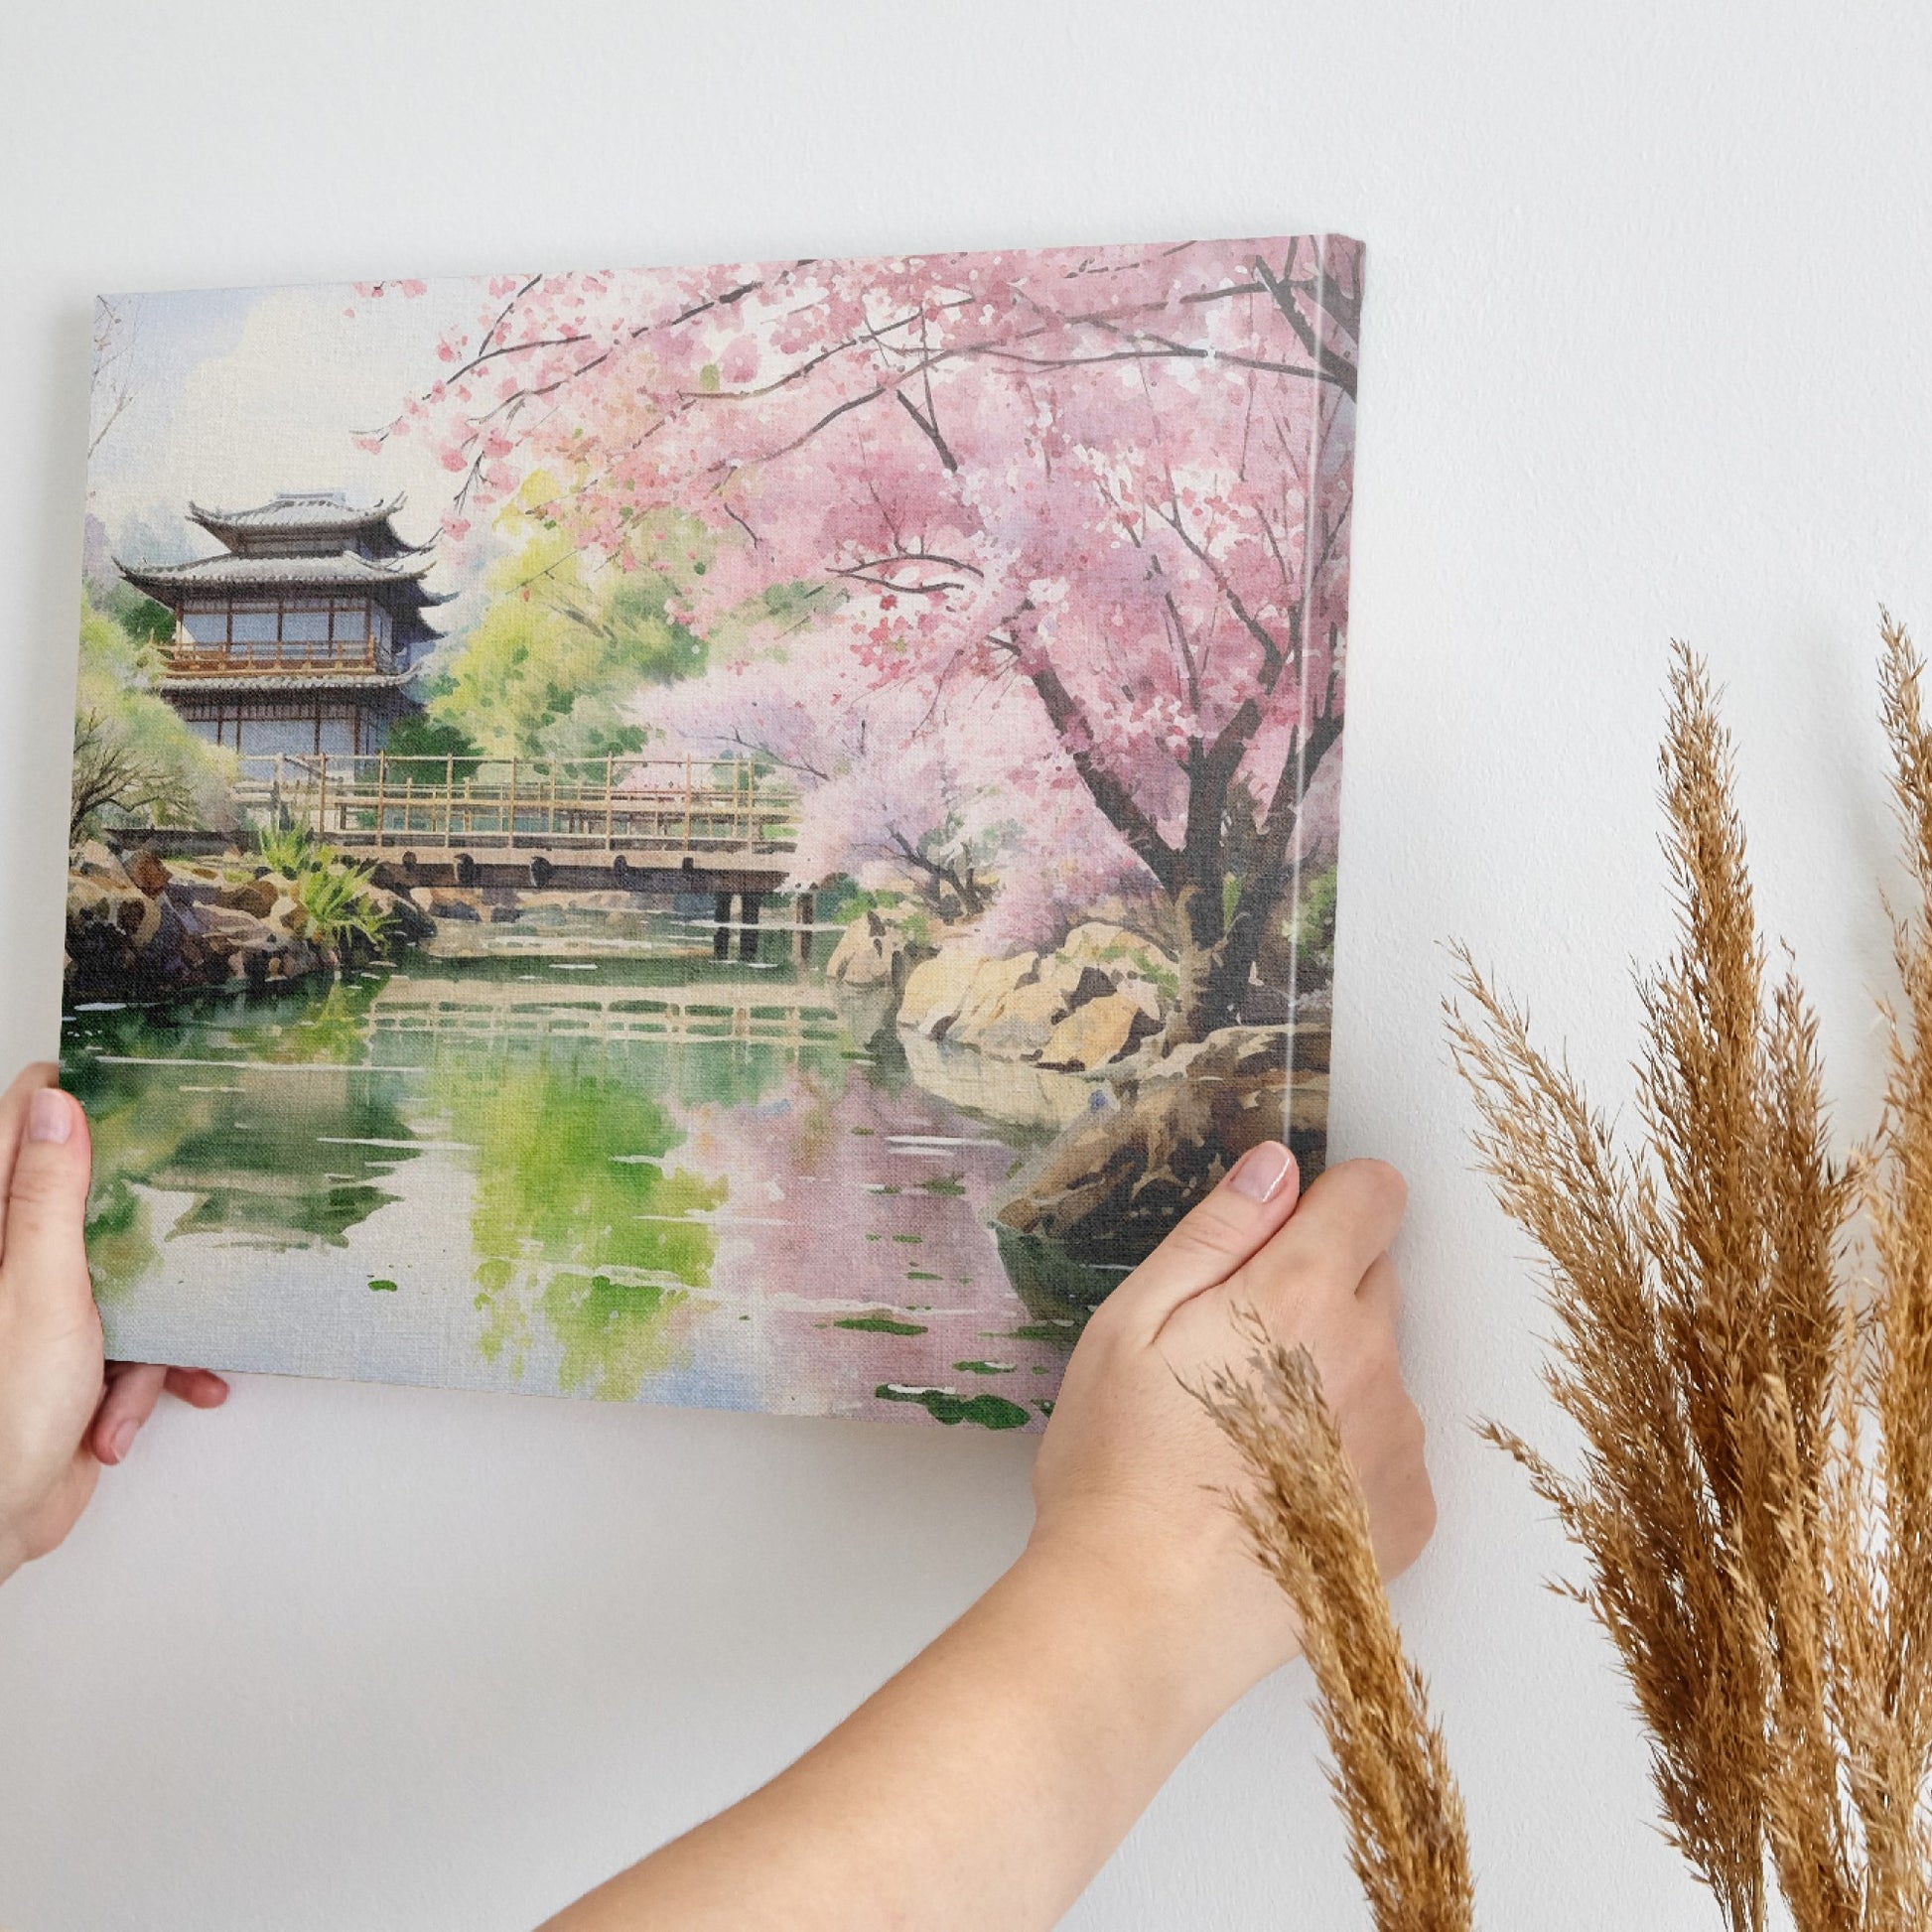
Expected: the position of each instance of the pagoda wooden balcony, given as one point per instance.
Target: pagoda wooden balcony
(284, 658)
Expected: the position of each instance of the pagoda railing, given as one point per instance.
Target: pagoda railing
(644, 805)
(271, 657)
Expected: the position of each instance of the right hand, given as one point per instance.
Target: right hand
(1132, 1471)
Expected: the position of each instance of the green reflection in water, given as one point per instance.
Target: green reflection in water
(239, 1144)
(576, 1214)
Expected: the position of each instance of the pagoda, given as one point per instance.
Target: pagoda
(300, 633)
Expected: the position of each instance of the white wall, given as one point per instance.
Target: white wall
(1646, 356)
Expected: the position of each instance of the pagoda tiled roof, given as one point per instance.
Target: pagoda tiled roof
(259, 684)
(305, 514)
(399, 586)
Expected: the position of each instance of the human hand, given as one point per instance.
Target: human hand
(1131, 1472)
(63, 1410)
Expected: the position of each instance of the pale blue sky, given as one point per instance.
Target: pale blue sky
(240, 392)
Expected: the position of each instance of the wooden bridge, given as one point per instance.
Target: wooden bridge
(648, 825)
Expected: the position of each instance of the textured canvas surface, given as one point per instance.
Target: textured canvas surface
(745, 836)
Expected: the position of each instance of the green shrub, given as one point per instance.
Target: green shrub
(338, 901)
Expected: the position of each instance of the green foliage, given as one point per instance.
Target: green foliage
(566, 645)
(337, 899)
(289, 850)
(336, 895)
(1313, 926)
(144, 621)
(418, 735)
(135, 763)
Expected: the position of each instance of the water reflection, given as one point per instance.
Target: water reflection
(622, 1172)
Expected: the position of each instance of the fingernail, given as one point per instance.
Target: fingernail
(122, 1438)
(49, 1115)
(1260, 1171)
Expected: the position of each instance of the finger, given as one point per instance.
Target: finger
(1347, 1218)
(199, 1388)
(13, 1123)
(128, 1403)
(45, 1255)
(1245, 1208)
(1380, 1293)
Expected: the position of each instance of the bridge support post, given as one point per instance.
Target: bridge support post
(748, 924)
(720, 934)
(801, 928)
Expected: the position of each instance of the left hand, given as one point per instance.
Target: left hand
(63, 1410)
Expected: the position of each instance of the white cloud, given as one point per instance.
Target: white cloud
(275, 404)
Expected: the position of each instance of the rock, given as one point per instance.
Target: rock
(407, 921)
(448, 902)
(498, 912)
(993, 982)
(1101, 1031)
(99, 944)
(1262, 1005)
(1112, 1187)
(195, 885)
(935, 990)
(172, 952)
(1232, 1054)
(1308, 1046)
(1116, 952)
(289, 917)
(239, 934)
(1021, 1023)
(146, 872)
(871, 952)
(1307, 1106)
(98, 866)
(253, 896)
(142, 923)
(1094, 984)
(1144, 993)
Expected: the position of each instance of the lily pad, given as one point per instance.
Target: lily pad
(942, 1405)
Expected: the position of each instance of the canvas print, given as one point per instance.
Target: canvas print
(745, 836)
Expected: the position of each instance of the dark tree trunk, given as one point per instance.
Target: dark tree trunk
(1267, 878)
(1217, 951)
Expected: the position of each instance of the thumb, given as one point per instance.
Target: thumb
(44, 1262)
(1234, 1221)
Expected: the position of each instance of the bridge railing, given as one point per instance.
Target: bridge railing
(481, 804)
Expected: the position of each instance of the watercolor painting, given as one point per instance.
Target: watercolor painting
(745, 836)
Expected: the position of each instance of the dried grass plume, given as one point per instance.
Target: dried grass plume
(1309, 1524)
(1754, 1498)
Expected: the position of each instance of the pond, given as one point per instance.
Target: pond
(581, 1157)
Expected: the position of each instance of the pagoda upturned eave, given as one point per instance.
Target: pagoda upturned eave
(300, 518)
(344, 571)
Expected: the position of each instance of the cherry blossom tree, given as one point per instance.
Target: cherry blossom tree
(1106, 491)
(898, 787)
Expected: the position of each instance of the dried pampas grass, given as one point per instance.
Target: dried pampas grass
(1754, 1391)
(1309, 1524)
(1754, 1498)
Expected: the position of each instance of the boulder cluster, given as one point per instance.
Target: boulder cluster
(1173, 1119)
(140, 926)
(1116, 1184)
(1086, 1004)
